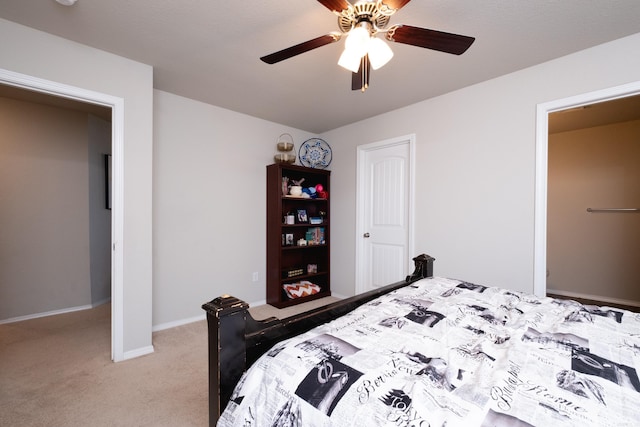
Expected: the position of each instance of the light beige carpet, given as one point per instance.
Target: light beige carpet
(264, 311)
(57, 371)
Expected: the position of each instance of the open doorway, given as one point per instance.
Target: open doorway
(564, 116)
(116, 105)
(55, 252)
(593, 202)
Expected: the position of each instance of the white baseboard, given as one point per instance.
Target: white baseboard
(56, 312)
(100, 302)
(175, 323)
(46, 313)
(169, 325)
(203, 316)
(132, 354)
(594, 297)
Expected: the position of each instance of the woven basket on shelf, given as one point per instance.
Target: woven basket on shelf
(286, 152)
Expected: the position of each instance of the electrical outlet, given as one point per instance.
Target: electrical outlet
(254, 276)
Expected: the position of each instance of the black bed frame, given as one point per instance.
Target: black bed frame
(236, 339)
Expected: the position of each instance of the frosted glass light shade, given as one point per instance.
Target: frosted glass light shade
(358, 41)
(379, 53)
(355, 47)
(350, 60)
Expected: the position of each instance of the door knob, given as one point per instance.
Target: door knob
(366, 235)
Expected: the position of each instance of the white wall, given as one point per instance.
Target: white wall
(52, 210)
(594, 254)
(475, 152)
(99, 215)
(209, 225)
(475, 175)
(34, 53)
(44, 209)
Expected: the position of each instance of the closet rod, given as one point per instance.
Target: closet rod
(614, 210)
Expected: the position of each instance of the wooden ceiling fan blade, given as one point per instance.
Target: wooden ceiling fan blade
(303, 47)
(395, 4)
(336, 6)
(360, 80)
(430, 39)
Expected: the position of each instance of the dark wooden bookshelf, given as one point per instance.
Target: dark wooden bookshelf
(283, 256)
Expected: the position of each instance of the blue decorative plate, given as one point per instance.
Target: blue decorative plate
(315, 153)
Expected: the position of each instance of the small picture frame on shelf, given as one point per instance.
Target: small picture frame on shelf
(312, 268)
(288, 240)
(302, 216)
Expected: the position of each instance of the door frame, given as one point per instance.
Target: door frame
(361, 150)
(542, 159)
(116, 104)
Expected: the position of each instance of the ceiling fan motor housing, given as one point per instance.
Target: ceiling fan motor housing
(374, 12)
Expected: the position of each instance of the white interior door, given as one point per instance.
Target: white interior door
(385, 202)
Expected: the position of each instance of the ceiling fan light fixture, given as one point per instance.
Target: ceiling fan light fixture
(355, 47)
(379, 53)
(350, 60)
(358, 41)
(360, 21)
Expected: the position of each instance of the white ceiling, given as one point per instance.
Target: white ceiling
(208, 50)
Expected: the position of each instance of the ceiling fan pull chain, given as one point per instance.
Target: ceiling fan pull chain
(365, 73)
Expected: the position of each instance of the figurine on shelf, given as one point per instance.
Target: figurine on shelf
(320, 192)
(296, 187)
(310, 192)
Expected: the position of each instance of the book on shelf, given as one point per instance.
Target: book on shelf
(315, 236)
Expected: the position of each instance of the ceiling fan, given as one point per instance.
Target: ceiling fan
(361, 22)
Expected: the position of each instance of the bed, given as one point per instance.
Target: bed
(428, 351)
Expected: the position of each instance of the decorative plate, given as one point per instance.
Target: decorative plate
(315, 153)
